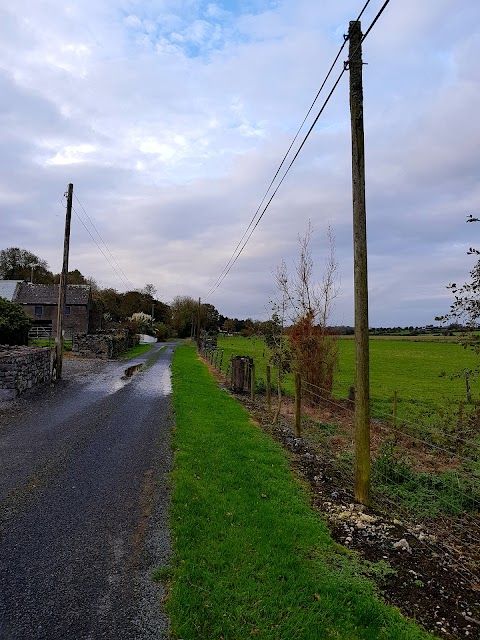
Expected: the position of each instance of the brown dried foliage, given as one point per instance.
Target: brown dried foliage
(315, 355)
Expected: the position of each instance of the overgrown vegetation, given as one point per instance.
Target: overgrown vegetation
(308, 304)
(14, 323)
(251, 558)
(425, 495)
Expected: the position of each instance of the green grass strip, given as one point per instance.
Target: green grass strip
(136, 351)
(251, 558)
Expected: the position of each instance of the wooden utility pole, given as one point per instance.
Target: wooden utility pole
(62, 287)
(198, 321)
(362, 391)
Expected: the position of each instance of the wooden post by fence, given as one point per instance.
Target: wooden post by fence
(467, 384)
(227, 371)
(460, 428)
(394, 417)
(252, 382)
(362, 384)
(269, 389)
(298, 405)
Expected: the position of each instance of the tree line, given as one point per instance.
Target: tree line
(111, 308)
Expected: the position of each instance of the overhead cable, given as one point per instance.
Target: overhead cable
(104, 243)
(127, 284)
(234, 257)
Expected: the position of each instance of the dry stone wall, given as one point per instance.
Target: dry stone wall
(101, 345)
(22, 368)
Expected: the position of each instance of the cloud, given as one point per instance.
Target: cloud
(171, 118)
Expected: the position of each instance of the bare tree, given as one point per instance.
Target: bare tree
(330, 287)
(304, 296)
(309, 305)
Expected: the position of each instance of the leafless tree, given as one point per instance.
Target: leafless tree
(309, 305)
(304, 296)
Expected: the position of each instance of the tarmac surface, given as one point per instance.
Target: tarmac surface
(83, 503)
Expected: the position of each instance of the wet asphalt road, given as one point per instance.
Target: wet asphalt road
(83, 500)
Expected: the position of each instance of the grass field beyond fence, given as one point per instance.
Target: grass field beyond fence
(251, 558)
(421, 373)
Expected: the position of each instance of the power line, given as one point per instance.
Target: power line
(375, 19)
(100, 249)
(103, 241)
(233, 259)
(278, 186)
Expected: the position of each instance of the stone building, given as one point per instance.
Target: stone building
(40, 302)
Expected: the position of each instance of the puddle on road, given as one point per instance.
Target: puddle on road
(155, 379)
(129, 371)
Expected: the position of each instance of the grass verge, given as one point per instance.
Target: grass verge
(41, 342)
(251, 558)
(138, 350)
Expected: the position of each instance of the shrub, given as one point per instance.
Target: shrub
(162, 331)
(315, 355)
(14, 323)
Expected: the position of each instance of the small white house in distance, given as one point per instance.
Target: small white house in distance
(144, 339)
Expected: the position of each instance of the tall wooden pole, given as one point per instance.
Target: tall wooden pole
(362, 391)
(198, 321)
(62, 287)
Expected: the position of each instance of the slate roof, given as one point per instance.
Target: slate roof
(29, 293)
(8, 288)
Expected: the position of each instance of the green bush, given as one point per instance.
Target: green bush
(14, 323)
(162, 331)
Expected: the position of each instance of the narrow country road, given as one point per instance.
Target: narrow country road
(83, 499)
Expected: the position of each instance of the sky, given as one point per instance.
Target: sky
(171, 117)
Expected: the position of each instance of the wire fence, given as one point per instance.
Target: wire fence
(420, 473)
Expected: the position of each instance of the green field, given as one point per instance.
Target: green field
(420, 371)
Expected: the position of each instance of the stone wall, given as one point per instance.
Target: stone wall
(102, 345)
(22, 368)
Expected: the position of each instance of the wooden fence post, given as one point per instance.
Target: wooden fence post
(460, 428)
(298, 405)
(252, 382)
(394, 418)
(351, 394)
(467, 384)
(269, 390)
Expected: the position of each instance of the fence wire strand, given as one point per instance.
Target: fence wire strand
(459, 527)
